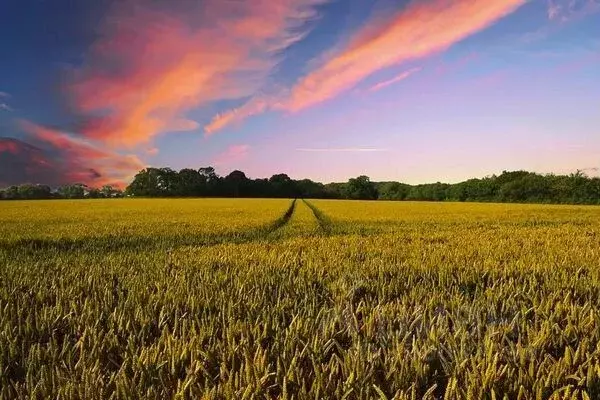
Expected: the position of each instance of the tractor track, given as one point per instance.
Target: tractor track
(116, 243)
(325, 223)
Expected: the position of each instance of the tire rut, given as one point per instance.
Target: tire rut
(324, 221)
(118, 244)
(283, 220)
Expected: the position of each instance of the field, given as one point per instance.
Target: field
(265, 299)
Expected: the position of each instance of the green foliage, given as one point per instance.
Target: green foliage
(44, 192)
(26, 191)
(509, 187)
(360, 188)
(233, 299)
(393, 191)
(76, 191)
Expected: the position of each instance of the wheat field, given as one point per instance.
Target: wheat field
(283, 299)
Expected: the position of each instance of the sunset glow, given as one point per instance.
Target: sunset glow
(415, 91)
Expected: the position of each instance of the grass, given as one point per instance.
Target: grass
(232, 299)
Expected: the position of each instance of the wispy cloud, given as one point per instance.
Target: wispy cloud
(565, 10)
(182, 59)
(3, 104)
(400, 77)
(343, 150)
(232, 155)
(421, 29)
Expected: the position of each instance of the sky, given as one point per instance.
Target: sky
(414, 91)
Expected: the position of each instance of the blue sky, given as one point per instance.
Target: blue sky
(419, 91)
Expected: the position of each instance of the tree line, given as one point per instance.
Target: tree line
(30, 191)
(514, 186)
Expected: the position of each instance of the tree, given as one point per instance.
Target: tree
(361, 188)
(393, 191)
(11, 192)
(208, 173)
(35, 192)
(335, 190)
(153, 182)
(189, 183)
(75, 191)
(209, 182)
(94, 193)
(283, 186)
(309, 189)
(235, 183)
(109, 191)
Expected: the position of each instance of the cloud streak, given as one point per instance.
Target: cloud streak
(400, 77)
(343, 150)
(254, 106)
(420, 30)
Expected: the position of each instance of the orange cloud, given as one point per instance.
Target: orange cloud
(83, 161)
(395, 79)
(422, 29)
(152, 67)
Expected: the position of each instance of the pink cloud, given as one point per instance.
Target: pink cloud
(21, 162)
(151, 67)
(420, 30)
(9, 146)
(343, 150)
(254, 106)
(232, 155)
(400, 77)
(152, 151)
(84, 161)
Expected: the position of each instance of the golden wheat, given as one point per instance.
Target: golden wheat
(231, 299)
